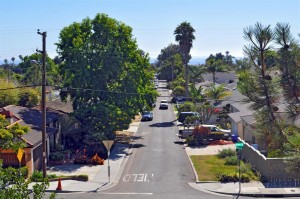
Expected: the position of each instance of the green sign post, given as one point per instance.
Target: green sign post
(239, 146)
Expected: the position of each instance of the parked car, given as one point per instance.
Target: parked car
(147, 116)
(180, 99)
(183, 115)
(163, 104)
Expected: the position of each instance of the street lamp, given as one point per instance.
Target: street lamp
(44, 164)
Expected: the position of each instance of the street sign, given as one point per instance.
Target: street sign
(239, 145)
(108, 144)
(20, 154)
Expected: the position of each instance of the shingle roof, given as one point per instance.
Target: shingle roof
(249, 119)
(33, 119)
(57, 104)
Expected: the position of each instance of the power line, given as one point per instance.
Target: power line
(19, 87)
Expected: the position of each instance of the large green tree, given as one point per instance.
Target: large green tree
(184, 34)
(171, 68)
(108, 77)
(166, 53)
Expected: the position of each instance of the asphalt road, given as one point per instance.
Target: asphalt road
(158, 167)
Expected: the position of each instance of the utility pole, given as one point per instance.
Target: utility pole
(44, 159)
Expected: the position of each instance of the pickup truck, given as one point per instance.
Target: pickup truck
(185, 130)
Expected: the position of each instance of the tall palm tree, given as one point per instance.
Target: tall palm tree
(184, 34)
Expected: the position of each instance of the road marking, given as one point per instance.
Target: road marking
(136, 177)
(127, 193)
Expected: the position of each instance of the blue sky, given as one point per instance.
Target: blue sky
(218, 23)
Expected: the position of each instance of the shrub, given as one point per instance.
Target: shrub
(227, 177)
(246, 168)
(232, 177)
(28, 97)
(191, 141)
(186, 107)
(82, 159)
(277, 153)
(231, 160)
(37, 176)
(56, 156)
(225, 153)
(81, 177)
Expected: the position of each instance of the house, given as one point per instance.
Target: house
(32, 118)
(238, 117)
(221, 77)
(71, 131)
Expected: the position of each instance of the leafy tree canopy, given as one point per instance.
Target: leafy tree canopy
(10, 136)
(108, 76)
(10, 96)
(166, 53)
(32, 73)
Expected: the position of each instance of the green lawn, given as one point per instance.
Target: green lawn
(208, 166)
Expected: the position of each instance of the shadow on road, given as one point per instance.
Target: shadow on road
(136, 146)
(137, 138)
(179, 142)
(162, 124)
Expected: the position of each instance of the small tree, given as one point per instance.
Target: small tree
(9, 96)
(14, 184)
(28, 97)
(293, 150)
(11, 136)
(200, 133)
(205, 111)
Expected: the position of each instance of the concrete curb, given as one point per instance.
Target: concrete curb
(192, 165)
(277, 195)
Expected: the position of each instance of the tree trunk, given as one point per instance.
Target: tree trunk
(186, 80)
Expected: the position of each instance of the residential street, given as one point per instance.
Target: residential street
(158, 167)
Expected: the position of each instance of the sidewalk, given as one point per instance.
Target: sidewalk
(98, 174)
(255, 189)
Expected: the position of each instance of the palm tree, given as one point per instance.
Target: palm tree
(217, 92)
(184, 34)
(213, 66)
(196, 73)
(6, 67)
(196, 94)
(13, 61)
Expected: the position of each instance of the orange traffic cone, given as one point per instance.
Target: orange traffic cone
(59, 188)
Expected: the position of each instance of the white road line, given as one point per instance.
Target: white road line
(126, 193)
